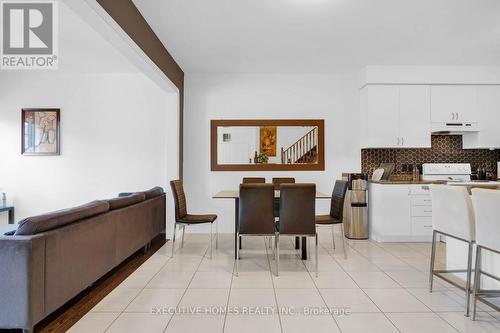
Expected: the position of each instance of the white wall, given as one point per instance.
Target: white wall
(429, 75)
(261, 96)
(118, 133)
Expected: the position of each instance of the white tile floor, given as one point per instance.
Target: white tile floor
(381, 287)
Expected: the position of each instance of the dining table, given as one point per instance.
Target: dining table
(235, 195)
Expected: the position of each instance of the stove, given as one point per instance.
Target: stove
(453, 174)
(450, 172)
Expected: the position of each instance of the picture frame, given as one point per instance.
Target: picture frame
(40, 131)
(267, 140)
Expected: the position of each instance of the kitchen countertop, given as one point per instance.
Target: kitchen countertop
(410, 182)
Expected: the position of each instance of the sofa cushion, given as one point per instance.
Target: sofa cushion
(154, 192)
(37, 224)
(121, 202)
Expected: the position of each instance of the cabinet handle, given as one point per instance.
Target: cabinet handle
(453, 116)
(427, 211)
(457, 115)
(427, 226)
(398, 140)
(402, 141)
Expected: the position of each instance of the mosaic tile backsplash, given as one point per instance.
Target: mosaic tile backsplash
(445, 149)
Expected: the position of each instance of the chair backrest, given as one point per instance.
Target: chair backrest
(452, 211)
(297, 209)
(338, 198)
(179, 198)
(253, 180)
(255, 209)
(278, 181)
(486, 203)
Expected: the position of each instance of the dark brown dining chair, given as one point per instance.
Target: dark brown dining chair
(183, 219)
(277, 182)
(336, 215)
(253, 180)
(255, 213)
(297, 214)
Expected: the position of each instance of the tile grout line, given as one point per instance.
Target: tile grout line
(318, 290)
(229, 296)
(453, 290)
(402, 287)
(392, 323)
(272, 282)
(187, 287)
(141, 290)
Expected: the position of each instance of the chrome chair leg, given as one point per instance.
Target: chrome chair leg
(273, 246)
(237, 254)
(173, 240)
(343, 240)
(468, 282)
(433, 258)
(211, 240)
(277, 245)
(477, 281)
(316, 247)
(333, 236)
(217, 234)
(182, 239)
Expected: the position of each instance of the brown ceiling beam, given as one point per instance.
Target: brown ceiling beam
(126, 14)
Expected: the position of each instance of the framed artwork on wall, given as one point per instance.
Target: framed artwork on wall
(267, 140)
(40, 130)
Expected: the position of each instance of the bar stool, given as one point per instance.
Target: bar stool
(452, 216)
(486, 203)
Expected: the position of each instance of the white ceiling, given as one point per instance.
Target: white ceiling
(83, 50)
(324, 35)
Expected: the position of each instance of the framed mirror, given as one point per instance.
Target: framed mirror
(266, 145)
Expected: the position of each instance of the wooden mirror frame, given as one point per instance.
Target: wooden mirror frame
(215, 166)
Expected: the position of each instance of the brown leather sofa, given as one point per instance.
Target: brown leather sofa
(51, 258)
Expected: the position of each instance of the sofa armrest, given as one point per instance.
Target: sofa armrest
(22, 272)
(125, 194)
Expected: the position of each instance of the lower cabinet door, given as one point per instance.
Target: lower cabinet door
(421, 226)
(389, 209)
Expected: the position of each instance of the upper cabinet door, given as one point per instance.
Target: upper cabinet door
(381, 104)
(415, 116)
(488, 112)
(453, 103)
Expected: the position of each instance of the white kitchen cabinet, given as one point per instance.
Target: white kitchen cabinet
(453, 104)
(488, 112)
(389, 211)
(397, 116)
(415, 116)
(381, 103)
(399, 212)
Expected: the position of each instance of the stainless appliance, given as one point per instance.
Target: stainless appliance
(356, 206)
